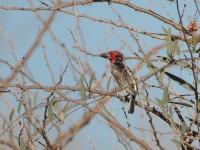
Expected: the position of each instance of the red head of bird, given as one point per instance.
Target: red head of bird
(113, 56)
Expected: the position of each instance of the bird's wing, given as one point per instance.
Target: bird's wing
(130, 82)
(125, 79)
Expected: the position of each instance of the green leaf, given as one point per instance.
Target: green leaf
(61, 117)
(65, 107)
(11, 114)
(169, 43)
(35, 99)
(182, 103)
(194, 51)
(180, 81)
(91, 80)
(19, 107)
(184, 129)
(183, 64)
(108, 84)
(103, 108)
(198, 106)
(22, 144)
(54, 102)
(57, 126)
(150, 66)
(170, 111)
(171, 114)
(4, 123)
(175, 47)
(165, 97)
(185, 51)
(160, 104)
(50, 112)
(196, 40)
(35, 129)
(83, 93)
(165, 30)
(160, 78)
(132, 80)
(178, 143)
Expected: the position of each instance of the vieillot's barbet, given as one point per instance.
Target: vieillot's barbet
(123, 76)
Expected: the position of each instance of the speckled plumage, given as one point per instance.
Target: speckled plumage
(123, 76)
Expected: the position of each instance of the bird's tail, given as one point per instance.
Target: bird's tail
(131, 108)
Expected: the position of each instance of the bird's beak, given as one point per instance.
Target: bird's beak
(104, 55)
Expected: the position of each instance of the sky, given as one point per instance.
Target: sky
(22, 28)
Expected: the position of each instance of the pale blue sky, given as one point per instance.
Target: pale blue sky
(22, 28)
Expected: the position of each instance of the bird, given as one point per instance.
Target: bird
(123, 76)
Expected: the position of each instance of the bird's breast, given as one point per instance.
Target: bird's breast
(117, 74)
